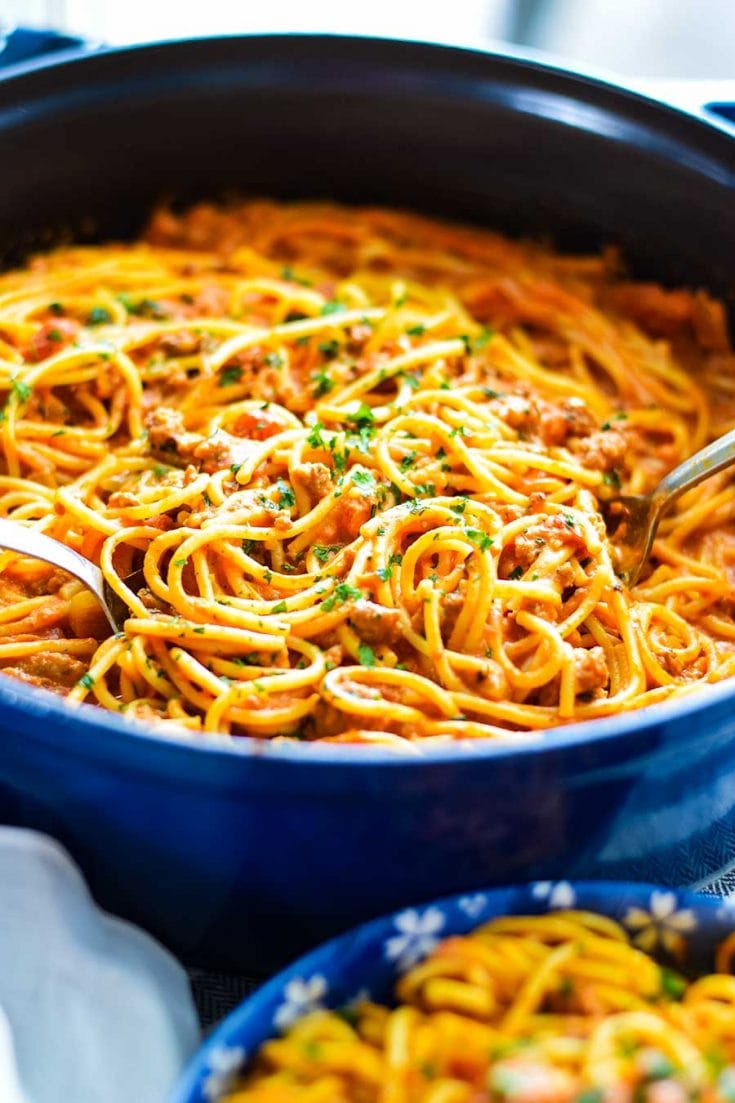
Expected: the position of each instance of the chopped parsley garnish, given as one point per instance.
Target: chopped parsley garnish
(366, 655)
(229, 376)
(99, 316)
(323, 552)
(180, 562)
(516, 573)
(342, 592)
(286, 497)
(280, 608)
(57, 309)
(332, 307)
(274, 360)
(323, 383)
(206, 499)
(611, 478)
(86, 680)
(490, 393)
(569, 520)
(362, 416)
(413, 380)
(55, 335)
(315, 438)
(416, 331)
(21, 389)
(384, 573)
(247, 546)
(477, 536)
(482, 339)
(672, 985)
(329, 348)
(363, 478)
(425, 488)
(459, 506)
(159, 470)
(364, 435)
(235, 467)
(408, 461)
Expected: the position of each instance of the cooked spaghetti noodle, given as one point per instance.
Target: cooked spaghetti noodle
(360, 457)
(558, 1008)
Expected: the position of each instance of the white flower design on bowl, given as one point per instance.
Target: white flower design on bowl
(224, 1064)
(473, 905)
(417, 936)
(663, 923)
(559, 894)
(300, 997)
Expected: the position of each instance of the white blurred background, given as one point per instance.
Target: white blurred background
(655, 38)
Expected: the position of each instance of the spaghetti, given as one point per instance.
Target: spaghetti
(558, 1008)
(359, 456)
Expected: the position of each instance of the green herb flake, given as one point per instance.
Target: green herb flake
(21, 389)
(323, 384)
(86, 680)
(516, 573)
(384, 573)
(673, 986)
(274, 360)
(286, 498)
(228, 377)
(366, 655)
(342, 592)
(181, 562)
(315, 438)
(328, 348)
(280, 608)
(333, 306)
(483, 339)
(362, 416)
(57, 309)
(364, 479)
(416, 331)
(99, 316)
(480, 538)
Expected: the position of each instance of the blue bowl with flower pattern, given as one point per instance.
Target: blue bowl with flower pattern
(366, 961)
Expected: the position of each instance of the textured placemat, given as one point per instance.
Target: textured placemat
(216, 994)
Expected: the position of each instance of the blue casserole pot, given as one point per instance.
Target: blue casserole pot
(240, 854)
(366, 963)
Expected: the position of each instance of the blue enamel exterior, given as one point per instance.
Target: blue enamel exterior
(367, 960)
(243, 854)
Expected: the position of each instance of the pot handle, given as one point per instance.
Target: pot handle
(713, 100)
(21, 44)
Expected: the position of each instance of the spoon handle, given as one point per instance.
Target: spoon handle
(702, 465)
(29, 541)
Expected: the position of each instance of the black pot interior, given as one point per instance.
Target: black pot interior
(88, 147)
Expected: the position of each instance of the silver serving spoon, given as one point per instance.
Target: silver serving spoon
(633, 519)
(29, 541)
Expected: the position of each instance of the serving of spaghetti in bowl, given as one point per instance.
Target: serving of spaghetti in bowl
(553, 992)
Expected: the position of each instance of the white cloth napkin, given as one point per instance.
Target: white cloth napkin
(92, 1010)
